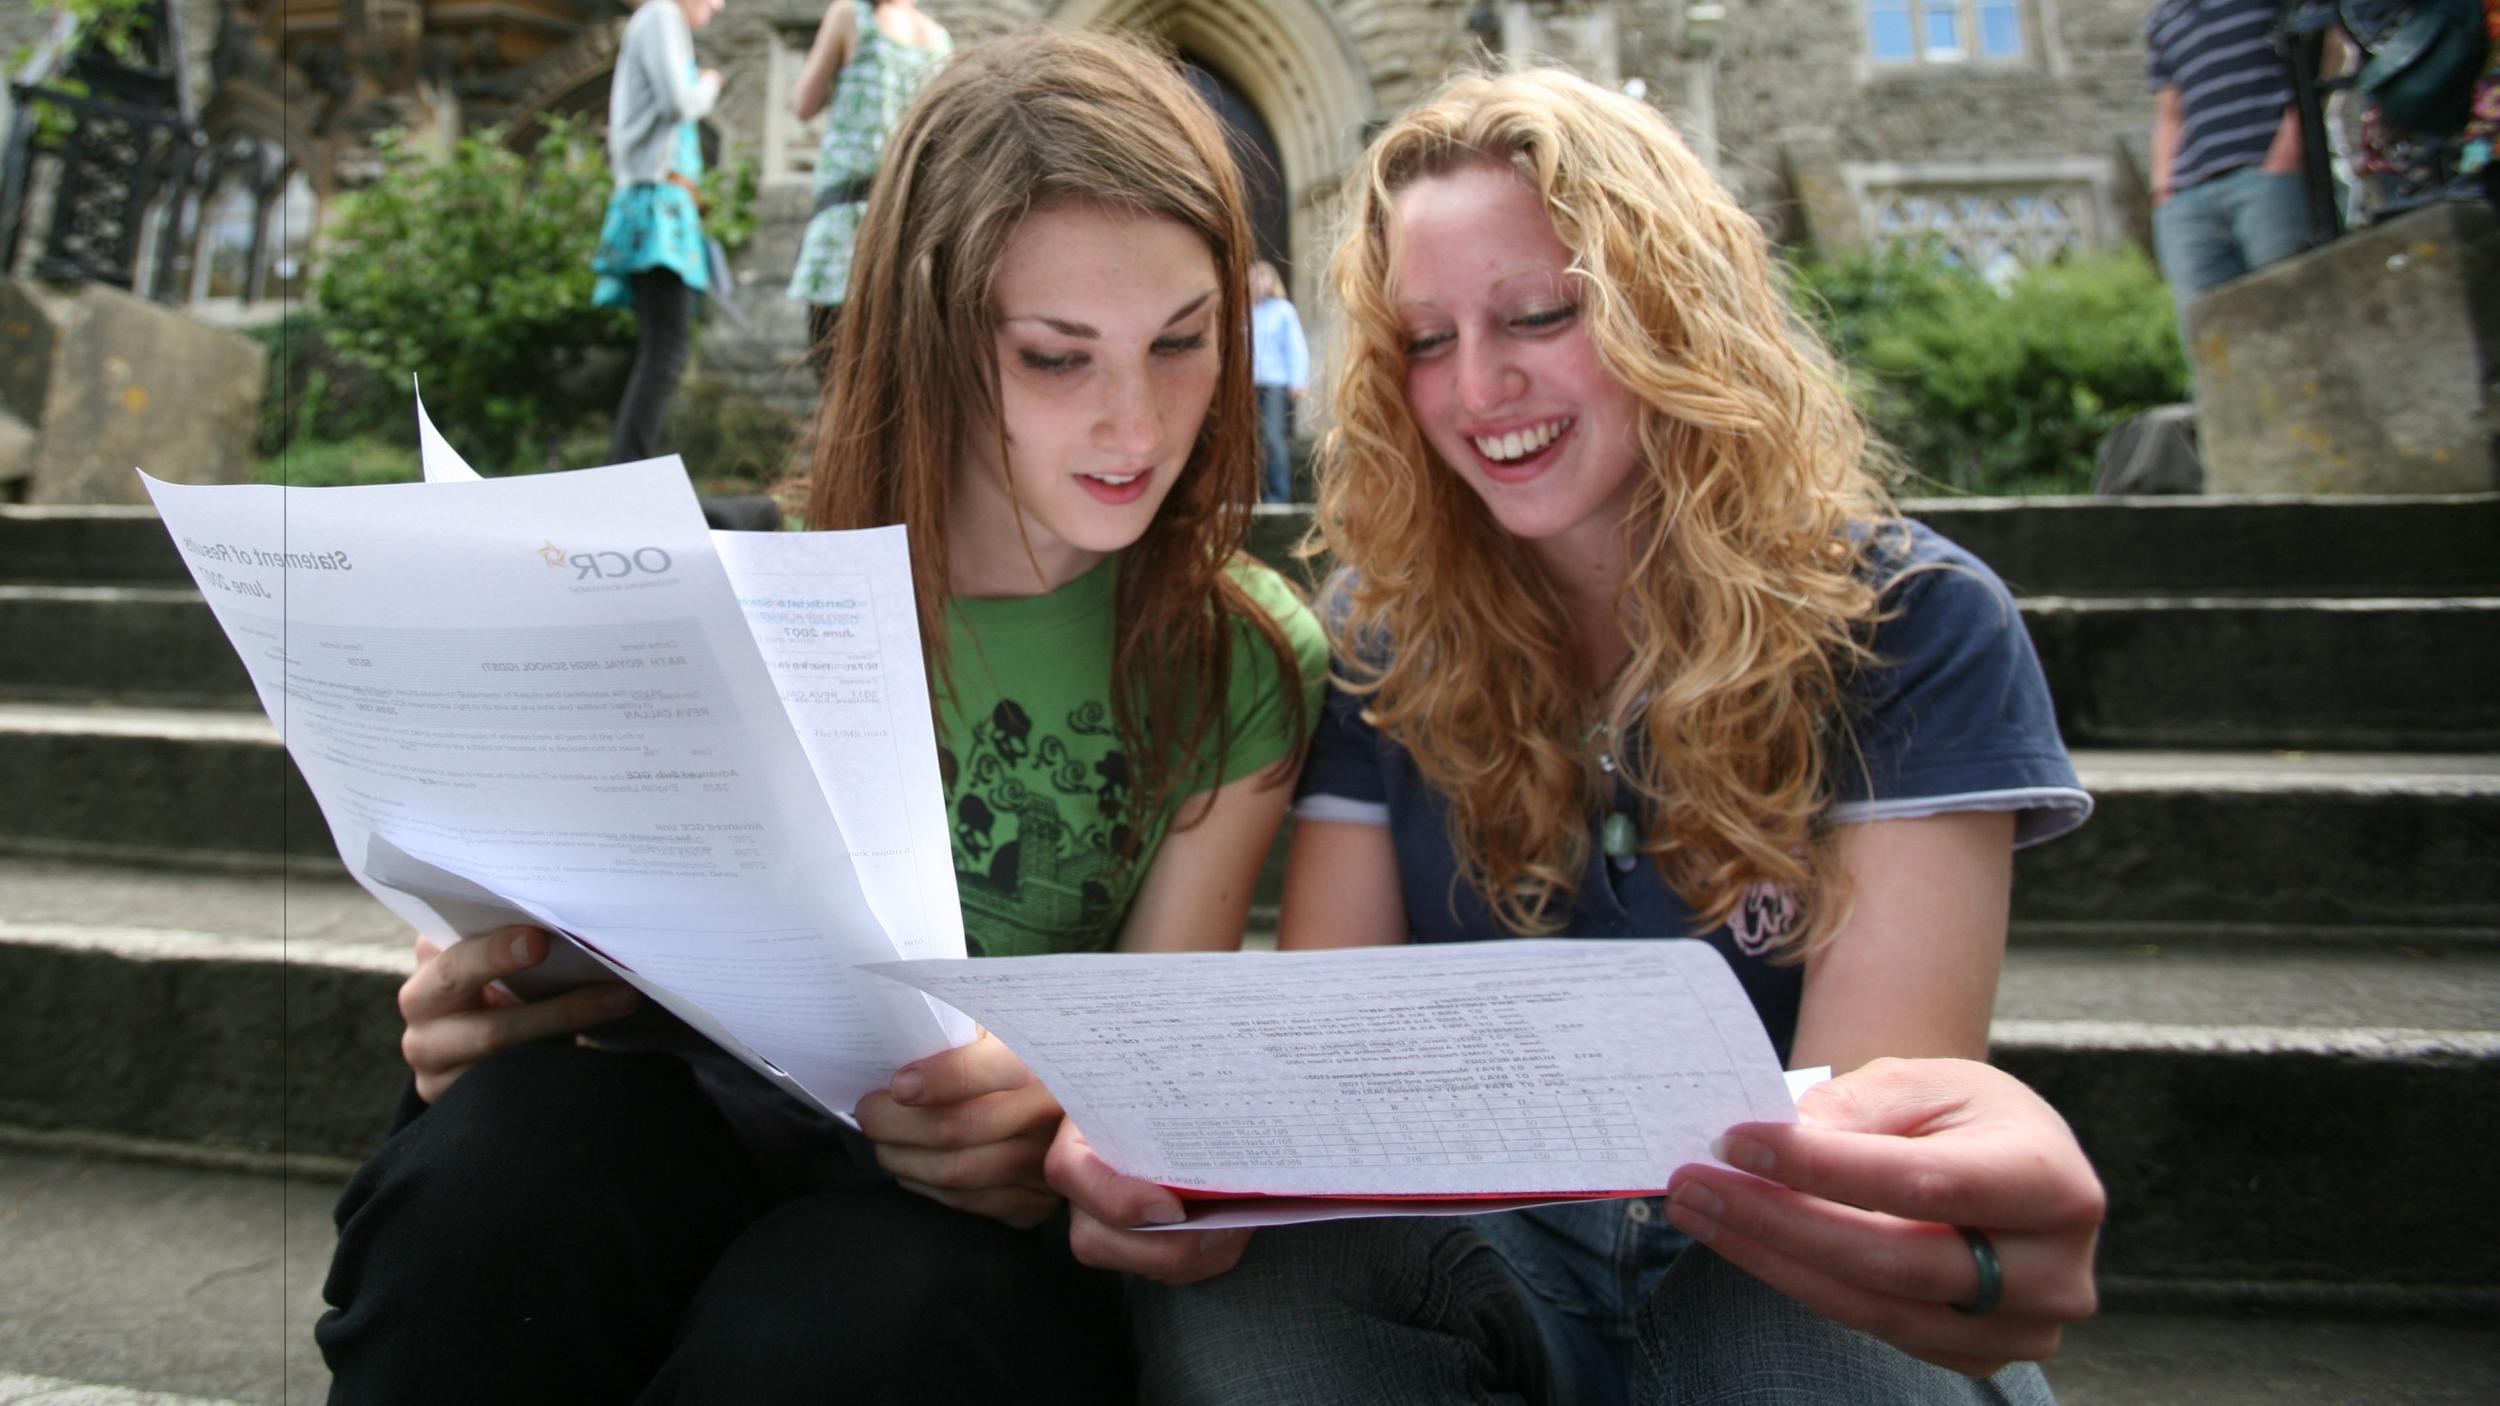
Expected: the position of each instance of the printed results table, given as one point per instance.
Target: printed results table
(1471, 1130)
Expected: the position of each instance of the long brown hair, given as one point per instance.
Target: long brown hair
(1007, 127)
(1744, 600)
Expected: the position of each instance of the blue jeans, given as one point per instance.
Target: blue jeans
(1590, 1303)
(2216, 230)
(1275, 455)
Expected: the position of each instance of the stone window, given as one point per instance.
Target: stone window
(229, 228)
(1996, 218)
(1944, 31)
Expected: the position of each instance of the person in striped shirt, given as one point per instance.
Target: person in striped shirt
(2227, 194)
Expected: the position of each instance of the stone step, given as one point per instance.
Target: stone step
(2316, 839)
(137, 1284)
(2189, 546)
(162, 1011)
(137, 644)
(2375, 673)
(2193, 672)
(2357, 545)
(2388, 840)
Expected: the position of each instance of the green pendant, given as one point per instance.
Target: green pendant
(1620, 838)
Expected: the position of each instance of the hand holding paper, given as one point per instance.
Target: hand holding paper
(967, 1128)
(1855, 1212)
(458, 1013)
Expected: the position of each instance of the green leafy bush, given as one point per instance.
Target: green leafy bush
(314, 394)
(472, 270)
(1984, 390)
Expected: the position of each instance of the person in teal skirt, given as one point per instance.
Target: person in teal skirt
(651, 255)
(871, 58)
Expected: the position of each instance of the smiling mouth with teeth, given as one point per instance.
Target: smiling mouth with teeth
(1519, 444)
(1115, 480)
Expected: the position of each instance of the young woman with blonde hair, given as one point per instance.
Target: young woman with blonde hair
(1042, 373)
(1630, 642)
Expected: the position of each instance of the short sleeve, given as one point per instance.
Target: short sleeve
(1342, 780)
(2157, 75)
(1954, 715)
(1263, 715)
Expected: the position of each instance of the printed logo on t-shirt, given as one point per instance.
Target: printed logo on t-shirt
(1764, 917)
(1040, 818)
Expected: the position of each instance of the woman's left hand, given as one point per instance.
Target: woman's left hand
(1853, 1210)
(968, 1128)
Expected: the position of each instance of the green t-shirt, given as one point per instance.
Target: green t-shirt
(1036, 783)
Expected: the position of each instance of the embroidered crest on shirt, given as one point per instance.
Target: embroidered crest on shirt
(1764, 917)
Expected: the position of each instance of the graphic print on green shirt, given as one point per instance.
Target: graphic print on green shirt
(1037, 785)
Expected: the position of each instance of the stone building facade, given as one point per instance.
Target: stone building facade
(2010, 130)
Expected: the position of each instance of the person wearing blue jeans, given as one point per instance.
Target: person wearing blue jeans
(1280, 366)
(2227, 189)
(1628, 642)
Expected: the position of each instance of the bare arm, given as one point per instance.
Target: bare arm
(1913, 970)
(1341, 887)
(835, 37)
(2166, 124)
(1196, 898)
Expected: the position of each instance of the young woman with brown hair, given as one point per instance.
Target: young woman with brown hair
(1042, 372)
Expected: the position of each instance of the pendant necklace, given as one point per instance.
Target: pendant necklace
(1620, 835)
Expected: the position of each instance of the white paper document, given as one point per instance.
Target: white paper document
(541, 699)
(1521, 1071)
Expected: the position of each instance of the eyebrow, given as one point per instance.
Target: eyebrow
(1091, 333)
(1533, 271)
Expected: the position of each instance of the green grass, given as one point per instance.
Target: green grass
(311, 463)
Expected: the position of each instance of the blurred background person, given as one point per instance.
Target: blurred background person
(870, 59)
(651, 255)
(1280, 364)
(2226, 180)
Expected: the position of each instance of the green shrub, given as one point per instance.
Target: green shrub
(313, 393)
(328, 463)
(472, 270)
(1984, 390)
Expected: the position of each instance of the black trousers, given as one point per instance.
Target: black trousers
(570, 1225)
(663, 338)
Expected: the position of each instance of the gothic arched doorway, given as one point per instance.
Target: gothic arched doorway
(1253, 145)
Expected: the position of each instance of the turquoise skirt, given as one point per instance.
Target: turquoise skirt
(650, 225)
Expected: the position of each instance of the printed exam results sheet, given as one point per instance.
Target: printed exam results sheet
(538, 699)
(1521, 1070)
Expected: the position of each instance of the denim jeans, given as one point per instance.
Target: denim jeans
(2216, 230)
(1591, 1303)
(1275, 452)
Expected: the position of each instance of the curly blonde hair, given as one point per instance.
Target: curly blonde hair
(1746, 601)
(1008, 127)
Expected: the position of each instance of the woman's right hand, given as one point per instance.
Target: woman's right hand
(456, 1017)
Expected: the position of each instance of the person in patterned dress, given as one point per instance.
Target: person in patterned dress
(882, 52)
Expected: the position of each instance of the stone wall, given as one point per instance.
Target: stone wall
(1807, 129)
(2370, 365)
(97, 382)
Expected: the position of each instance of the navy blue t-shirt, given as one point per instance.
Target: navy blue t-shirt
(1952, 716)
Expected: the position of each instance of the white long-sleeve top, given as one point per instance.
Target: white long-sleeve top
(655, 89)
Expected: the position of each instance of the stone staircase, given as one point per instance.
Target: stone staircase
(2263, 983)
